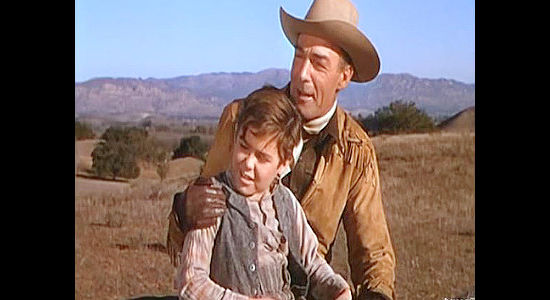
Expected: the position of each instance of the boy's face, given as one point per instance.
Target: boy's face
(255, 162)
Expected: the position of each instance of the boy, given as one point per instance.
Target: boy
(262, 247)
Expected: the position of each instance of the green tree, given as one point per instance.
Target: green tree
(121, 148)
(398, 117)
(114, 159)
(83, 131)
(118, 152)
(191, 146)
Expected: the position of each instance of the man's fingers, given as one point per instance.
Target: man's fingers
(203, 181)
(214, 190)
(205, 222)
(215, 200)
(212, 212)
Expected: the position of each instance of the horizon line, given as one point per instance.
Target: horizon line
(250, 72)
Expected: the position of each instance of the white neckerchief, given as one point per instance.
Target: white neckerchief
(312, 127)
(316, 125)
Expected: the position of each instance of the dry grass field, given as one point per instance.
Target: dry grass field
(428, 188)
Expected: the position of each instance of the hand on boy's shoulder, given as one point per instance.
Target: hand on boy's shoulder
(205, 202)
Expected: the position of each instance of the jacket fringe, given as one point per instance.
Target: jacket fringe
(174, 240)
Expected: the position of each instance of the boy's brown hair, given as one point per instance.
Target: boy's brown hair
(270, 111)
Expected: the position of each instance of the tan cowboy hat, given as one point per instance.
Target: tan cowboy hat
(336, 21)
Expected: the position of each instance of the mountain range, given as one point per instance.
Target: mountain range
(205, 95)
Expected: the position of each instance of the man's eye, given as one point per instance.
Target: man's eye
(319, 63)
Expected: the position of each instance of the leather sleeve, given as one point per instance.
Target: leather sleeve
(371, 254)
(219, 156)
(176, 229)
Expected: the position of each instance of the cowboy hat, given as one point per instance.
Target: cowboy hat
(336, 21)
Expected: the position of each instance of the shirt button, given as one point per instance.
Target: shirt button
(283, 239)
(252, 267)
(252, 245)
(251, 225)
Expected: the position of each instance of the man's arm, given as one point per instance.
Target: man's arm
(371, 254)
(218, 158)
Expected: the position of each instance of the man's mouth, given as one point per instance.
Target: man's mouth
(305, 96)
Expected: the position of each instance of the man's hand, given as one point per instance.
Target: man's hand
(203, 204)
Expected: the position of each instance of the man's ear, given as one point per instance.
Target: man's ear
(345, 77)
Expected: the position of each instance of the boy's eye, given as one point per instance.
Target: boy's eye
(263, 158)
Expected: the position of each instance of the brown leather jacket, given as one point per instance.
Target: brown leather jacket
(345, 186)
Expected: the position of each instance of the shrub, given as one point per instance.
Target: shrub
(83, 131)
(120, 150)
(191, 146)
(398, 117)
(115, 158)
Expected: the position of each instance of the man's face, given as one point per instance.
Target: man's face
(255, 163)
(316, 76)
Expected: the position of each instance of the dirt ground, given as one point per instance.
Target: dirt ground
(428, 190)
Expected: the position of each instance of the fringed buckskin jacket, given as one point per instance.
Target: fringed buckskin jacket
(343, 185)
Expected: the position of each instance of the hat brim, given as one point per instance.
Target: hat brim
(364, 57)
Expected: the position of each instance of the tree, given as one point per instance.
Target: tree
(191, 146)
(115, 159)
(118, 152)
(121, 148)
(83, 131)
(398, 117)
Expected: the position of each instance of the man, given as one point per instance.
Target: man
(336, 177)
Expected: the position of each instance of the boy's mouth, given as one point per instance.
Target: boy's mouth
(245, 178)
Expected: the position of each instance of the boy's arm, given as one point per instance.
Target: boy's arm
(325, 283)
(193, 274)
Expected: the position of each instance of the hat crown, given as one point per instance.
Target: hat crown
(336, 21)
(335, 10)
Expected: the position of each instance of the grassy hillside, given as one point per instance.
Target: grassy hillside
(428, 189)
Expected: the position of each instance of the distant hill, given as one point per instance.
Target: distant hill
(205, 95)
(462, 121)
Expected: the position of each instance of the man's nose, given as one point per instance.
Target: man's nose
(304, 69)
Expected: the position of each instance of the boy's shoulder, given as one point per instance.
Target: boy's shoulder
(288, 197)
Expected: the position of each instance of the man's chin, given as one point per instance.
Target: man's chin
(307, 110)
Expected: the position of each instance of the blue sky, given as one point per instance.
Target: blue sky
(169, 38)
